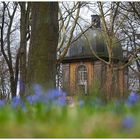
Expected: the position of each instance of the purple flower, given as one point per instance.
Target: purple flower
(16, 101)
(33, 99)
(61, 101)
(37, 89)
(2, 103)
(53, 96)
(54, 93)
(128, 122)
(22, 85)
(132, 99)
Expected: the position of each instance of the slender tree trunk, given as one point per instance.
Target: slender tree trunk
(43, 45)
(12, 83)
(109, 81)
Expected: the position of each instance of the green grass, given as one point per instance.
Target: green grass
(90, 120)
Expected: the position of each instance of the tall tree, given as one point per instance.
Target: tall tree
(43, 45)
(24, 36)
(109, 34)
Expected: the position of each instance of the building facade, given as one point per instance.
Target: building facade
(82, 71)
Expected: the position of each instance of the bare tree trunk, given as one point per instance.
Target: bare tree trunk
(43, 45)
(24, 24)
(109, 81)
(2, 79)
(12, 85)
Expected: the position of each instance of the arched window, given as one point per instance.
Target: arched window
(82, 76)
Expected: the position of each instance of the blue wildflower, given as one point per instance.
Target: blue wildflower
(38, 92)
(16, 101)
(53, 96)
(132, 99)
(33, 99)
(37, 89)
(23, 107)
(128, 122)
(44, 99)
(22, 85)
(61, 101)
(2, 103)
(54, 93)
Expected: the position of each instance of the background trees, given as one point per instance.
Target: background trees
(39, 64)
(130, 31)
(8, 46)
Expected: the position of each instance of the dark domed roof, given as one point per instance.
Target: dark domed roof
(81, 49)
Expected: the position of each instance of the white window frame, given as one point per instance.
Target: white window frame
(82, 75)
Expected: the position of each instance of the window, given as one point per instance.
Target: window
(82, 75)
